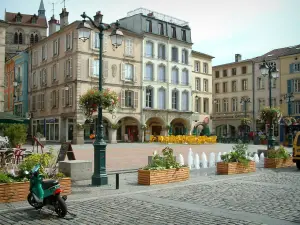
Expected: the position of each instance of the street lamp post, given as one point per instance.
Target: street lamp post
(269, 69)
(84, 31)
(245, 101)
(289, 98)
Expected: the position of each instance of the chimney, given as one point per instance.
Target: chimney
(98, 18)
(64, 18)
(53, 25)
(238, 57)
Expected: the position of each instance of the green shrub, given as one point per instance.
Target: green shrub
(4, 178)
(239, 154)
(16, 133)
(280, 153)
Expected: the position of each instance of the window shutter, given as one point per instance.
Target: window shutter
(92, 39)
(41, 78)
(50, 102)
(122, 98)
(71, 96)
(58, 45)
(91, 67)
(292, 68)
(66, 42)
(46, 52)
(122, 71)
(134, 74)
(39, 101)
(65, 68)
(289, 90)
(105, 69)
(45, 77)
(127, 50)
(71, 41)
(136, 98)
(52, 71)
(63, 97)
(105, 42)
(131, 47)
(71, 67)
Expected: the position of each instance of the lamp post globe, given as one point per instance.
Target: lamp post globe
(84, 31)
(116, 37)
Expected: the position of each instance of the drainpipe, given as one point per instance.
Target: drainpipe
(253, 97)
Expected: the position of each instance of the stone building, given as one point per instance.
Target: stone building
(3, 27)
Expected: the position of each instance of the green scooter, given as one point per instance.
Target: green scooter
(46, 193)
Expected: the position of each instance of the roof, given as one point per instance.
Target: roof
(42, 8)
(26, 20)
(202, 54)
(233, 63)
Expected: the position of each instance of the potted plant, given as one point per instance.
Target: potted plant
(80, 126)
(263, 139)
(92, 99)
(270, 115)
(236, 162)
(163, 169)
(245, 121)
(278, 158)
(17, 134)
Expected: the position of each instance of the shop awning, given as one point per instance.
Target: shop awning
(10, 118)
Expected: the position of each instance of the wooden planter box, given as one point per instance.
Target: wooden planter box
(18, 191)
(278, 163)
(235, 168)
(150, 177)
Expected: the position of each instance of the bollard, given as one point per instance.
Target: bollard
(117, 181)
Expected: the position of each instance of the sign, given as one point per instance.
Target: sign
(65, 149)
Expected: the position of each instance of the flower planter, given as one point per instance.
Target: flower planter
(18, 191)
(150, 177)
(264, 142)
(235, 168)
(278, 163)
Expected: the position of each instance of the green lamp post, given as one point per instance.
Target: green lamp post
(289, 98)
(269, 69)
(84, 31)
(244, 101)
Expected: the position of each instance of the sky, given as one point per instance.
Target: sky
(220, 28)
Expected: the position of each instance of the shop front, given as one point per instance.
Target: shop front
(49, 127)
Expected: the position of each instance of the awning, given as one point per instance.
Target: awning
(10, 118)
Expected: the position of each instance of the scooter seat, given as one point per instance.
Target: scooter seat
(49, 183)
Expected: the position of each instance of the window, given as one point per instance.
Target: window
(185, 101)
(54, 98)
(149, 97)
(173, 32)
(18, 19)
(128, 72)
(160, 29)
(273, 101)
(217, 74)
(224, 73)
(233, 86)
(35, 58)
(43, 77)
(225, 87)
(197, 104)
(234, 104)
(96, 67)
(261, 104)
(244, 85)
(128, 98)
(149, 71)
(34, 79)
(129, 47)
(217, 103)
(205, 85)
(296, 107)
(273, 83)
(55, 47)
(31, 39)
(185, 56)
(16, 38)
(44, 52)
(162, 73)
(36, 38)
(33, 20)
(244, 70)
(198, 84)
(217, 87)
(197, 66)
(68, 96)
(20, 38)
(33, 103)
(69, 41)
(296, 85)
(225, 105)
(161, 98)
(185, 77)
(205, 105)
(54, 72)
(175, 76)
(174, 54)
(233, 71)
(260, 83)
(68, 70)
(175, 99)
(205, 68)
(297, 67)
(161, 51)
(42, 101)
(96, 40)
(183, 35)
(149, 49)
(148, 26)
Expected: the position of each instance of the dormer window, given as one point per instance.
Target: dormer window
(19, 18)
(34, 19)
(148, 26)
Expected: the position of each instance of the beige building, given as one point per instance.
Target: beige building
(231, 82)
(24, 30)
(201, 88)
(3, 27)
(63, 68)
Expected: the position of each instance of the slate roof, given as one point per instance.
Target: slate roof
(26, 20)
(204, 54)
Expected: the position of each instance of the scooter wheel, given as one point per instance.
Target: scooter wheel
(32, 202)
(60, 207)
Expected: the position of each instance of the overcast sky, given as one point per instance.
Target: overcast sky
(219, 27)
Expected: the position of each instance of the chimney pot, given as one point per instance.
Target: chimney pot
(238, 57)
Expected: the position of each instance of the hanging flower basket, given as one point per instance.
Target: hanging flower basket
(270, 115)
(92, 99)
(144, 127)
(245, 121)
(289, 121)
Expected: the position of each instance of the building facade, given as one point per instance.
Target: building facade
(201, 89)
(3, 27)
(24, 30)
(231, 83)
(62, 68)
(166, 71)
(9, 79)
(21, 88)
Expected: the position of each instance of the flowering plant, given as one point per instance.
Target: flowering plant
(144, 127)
(115, 126)
(92, 99)
(245, 121)
(270, 115)
(289, 120)
(92, 136)
(80, 126)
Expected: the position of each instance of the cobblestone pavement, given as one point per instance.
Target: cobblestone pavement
(265, 197)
